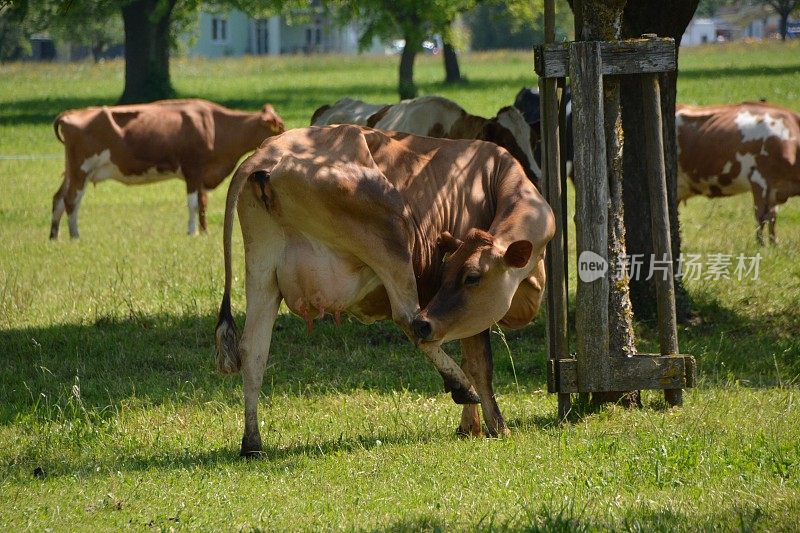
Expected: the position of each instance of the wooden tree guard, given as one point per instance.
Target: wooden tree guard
(594, 369)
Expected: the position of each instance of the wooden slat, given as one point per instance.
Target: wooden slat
(555, 260)
(640, 372)
(633, 56)
(659, 213)
(591, 213)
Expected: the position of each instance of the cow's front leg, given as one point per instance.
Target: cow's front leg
(202, 207)
(263, 299)
(476, 359)
(73, 204)
(192, 206)
(772, 216)
(455, 381)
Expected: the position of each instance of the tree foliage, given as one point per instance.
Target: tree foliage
(516, 25)
(413, 20)
(14, 32)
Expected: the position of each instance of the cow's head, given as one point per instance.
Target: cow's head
(479, 280)
(509, 130)
(528, 102)
(271, 120)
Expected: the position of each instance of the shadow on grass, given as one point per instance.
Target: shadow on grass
(44, 110)
(275, 457)
(716, 73)
(755, 349)
(292, 102)
(152, 359)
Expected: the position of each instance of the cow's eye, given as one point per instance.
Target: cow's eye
(472, 279)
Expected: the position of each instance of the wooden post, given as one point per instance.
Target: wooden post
(556, 280)
(591, 216)
(657, 181)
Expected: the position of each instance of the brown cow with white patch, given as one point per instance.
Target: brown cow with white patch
(436, 116)
(444, 237)
(730, 149)
(195, 140)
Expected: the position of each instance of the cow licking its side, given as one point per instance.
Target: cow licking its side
(435, 116)
(731, 149)
(443, 237)
(194, 140)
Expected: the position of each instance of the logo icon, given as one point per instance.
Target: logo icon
(591, 266)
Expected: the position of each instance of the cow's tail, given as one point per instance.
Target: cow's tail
(228, 358)
(57, 126)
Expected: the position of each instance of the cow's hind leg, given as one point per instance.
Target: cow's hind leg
(476, 360)
(263, 300)
(59, 206)
(262, 241)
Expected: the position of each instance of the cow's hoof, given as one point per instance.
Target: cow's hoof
(500, 433)
(465, 396)
(251, 447)
(463, 433)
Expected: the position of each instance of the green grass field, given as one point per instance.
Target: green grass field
(112, 416)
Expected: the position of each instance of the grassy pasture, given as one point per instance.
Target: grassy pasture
(111, 415)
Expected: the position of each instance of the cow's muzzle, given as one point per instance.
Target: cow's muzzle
(422, 329)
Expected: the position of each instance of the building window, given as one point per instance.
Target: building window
(219, 30)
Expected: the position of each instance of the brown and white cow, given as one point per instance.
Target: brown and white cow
(731, 149)
(436, 116)
(444, 237)
(195, 140)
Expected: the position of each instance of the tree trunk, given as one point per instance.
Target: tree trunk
(97, 51)
(146, 51)
(784, 25)
(451, 69)
(601, 20)
(406, 87)
(666, 19)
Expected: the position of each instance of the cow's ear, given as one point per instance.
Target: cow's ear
(518, 254)
(447, 243)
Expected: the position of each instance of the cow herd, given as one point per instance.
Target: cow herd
(418, 212)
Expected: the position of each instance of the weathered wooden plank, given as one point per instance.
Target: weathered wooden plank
(640, 372)
(633, 56)
(591, 214)
(556, 260)
(659, 220)
(552, 184)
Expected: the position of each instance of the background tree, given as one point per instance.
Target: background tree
(14, 32)
(666, 18)
(783, 8)
(151, 29)
(97, 28)
(413, 20)
(709, 8)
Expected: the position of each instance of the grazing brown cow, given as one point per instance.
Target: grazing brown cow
(195, 140)
(435, 116)
(444, 237)
(730, 149)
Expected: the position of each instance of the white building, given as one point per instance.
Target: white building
(699, 31)
(234, 33)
